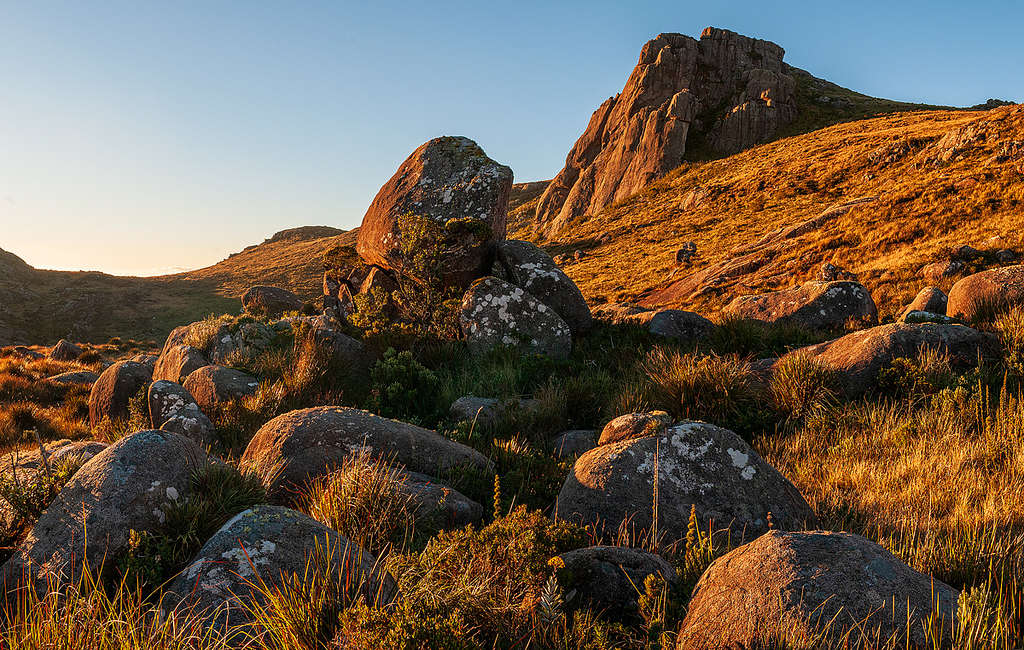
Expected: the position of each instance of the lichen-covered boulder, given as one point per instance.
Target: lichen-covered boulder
(115, 388)
(213, 386)
(698, 464)
(496, 313)
(930, 299)
(172, 408)
(859, 356)
(301, 445)
(270, 301)
(634, 425)
(452, 182)
(610, 579)
(528, 267)
(814, 305)
(794, 586)
(178, 362)
(125, 487)
(271, 546)
(986, 292)
(64, 350)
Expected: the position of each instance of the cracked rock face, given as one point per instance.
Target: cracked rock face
(801, 582)
(272, 544)
(496, 313)
(301, 445)
(698, 464)
(126, 486)
(449, 178)
(531, 269)
(815, 305)
(728, 90)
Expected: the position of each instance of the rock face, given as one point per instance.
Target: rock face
(178, 362)
(449, 180)
(810, 584)
(275, 545)
(698, 464)
(171, 408)
(496, 313)
(114, 388)
(727, 91)
(270, 301)
(986, 291)
(610, 578)
(307, 443)
(126, 486)
(64, 350)
(531, 269)
(815, 305)
(858, 357)
(212, 386)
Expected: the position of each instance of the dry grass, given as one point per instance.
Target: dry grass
(923, 209)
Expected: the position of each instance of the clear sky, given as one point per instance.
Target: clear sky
(142, 137)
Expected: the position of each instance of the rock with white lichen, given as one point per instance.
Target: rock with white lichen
(528, 267)
(814, 305)
(270, 546)
(495, 313)
(453, 183)
(171, 408)
(697, 464)
(125, 487)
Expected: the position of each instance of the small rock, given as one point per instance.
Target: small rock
(814, 305)
(485, 411)
(83, 377)
(114, 389)
(610, 579)
(64, 350)
(172, 408)
(988, 291)
(570, 444)
(635, 425)
(270, 301)
(178, 362)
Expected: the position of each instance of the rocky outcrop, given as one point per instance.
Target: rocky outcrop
(814, 305)
(726, 91)
(697, 464)
(815, 586)
(452, 182)
(496, 313)
(987, 292)
(301, 445)
(858, 357)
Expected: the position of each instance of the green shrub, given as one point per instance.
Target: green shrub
(29, 498)
(403, 388)
(925, 374)
(1010, 326)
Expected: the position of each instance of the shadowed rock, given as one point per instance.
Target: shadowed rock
(496, 313)
(115, 388)
(528, 267)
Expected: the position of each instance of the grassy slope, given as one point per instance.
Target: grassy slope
(42, 306)
(923, 209)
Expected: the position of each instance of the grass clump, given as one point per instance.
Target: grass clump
(800, 385)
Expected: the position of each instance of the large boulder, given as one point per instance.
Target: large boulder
(301, 445)
(272, 547)
(125, 487)
(528, 267)
(452, 182)
(178, 362)
(64, 350)
(114, 389)
(213, 386)
(814, 585)
(610, 579)
(858, 357)
(172, 408)
(699, 465)
(983, 293)
(496, 313)
(814, 305)
(729, 90)
(270, 301)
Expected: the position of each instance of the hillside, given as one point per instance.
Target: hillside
(42, 306)
(932, 181)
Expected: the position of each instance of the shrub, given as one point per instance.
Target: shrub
(403, 388)
(712, 388)
(801, 385)
(1010, 326)
(751, 338)
(366, 501)
(925, 374)
(29, 498)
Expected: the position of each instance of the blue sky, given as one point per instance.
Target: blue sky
(145, 137)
